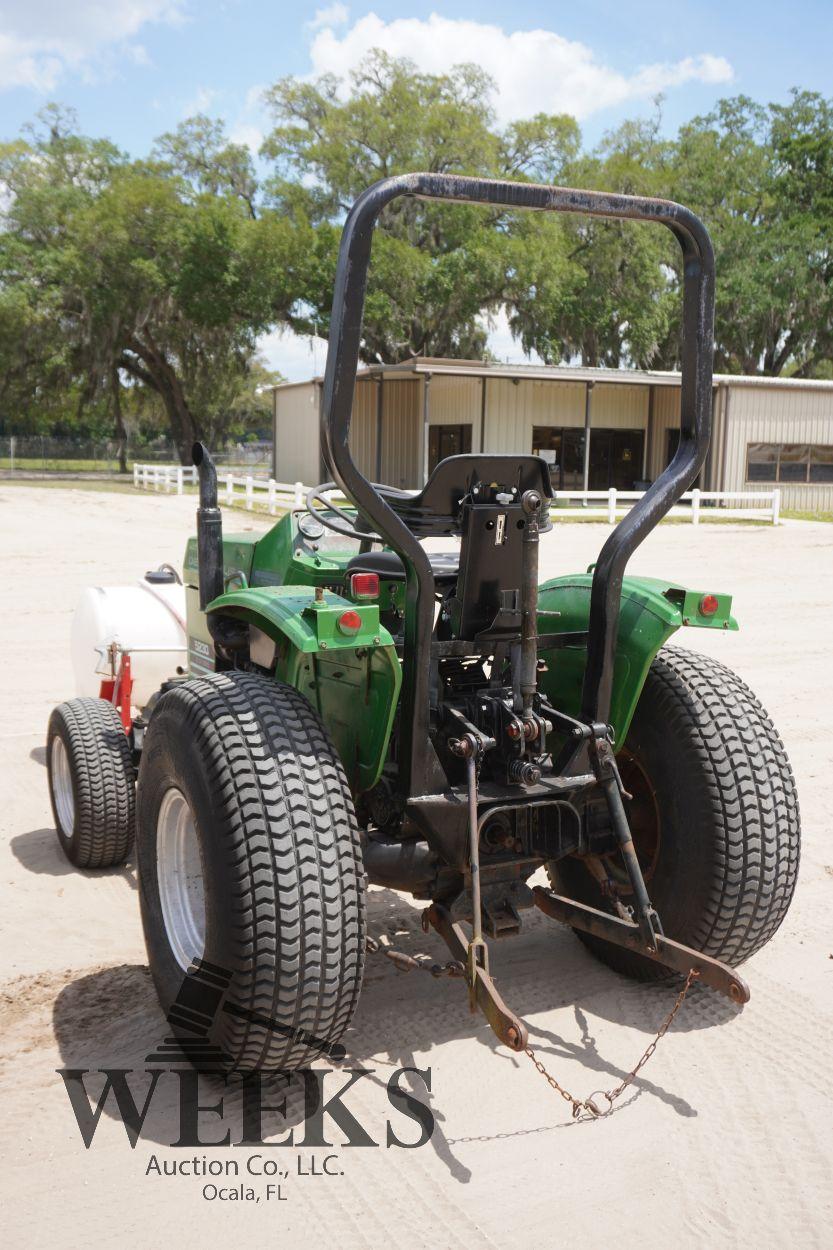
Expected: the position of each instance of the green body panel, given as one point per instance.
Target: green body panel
(354, 681)
(272, 559)
(238, 554)
(293, 613)
(280, 562)
(652, 610)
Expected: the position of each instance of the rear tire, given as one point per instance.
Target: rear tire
(250, 868)
(722, 871)
(91, 782)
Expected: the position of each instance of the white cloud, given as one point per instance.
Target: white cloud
(201, 101)
(19, 68)
(42, 40)
(254, 97)
(535, 70)
(501, 343)
(247, 136)
(249, 124)
(332, 15)
(297, 357)
(138, 54)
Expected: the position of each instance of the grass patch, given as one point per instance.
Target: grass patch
(48, 465)
(669, 520)
(118, 488)
(797, 514)
(126, 488)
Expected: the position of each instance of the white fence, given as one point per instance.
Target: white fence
(164, 476)
(744, 505)
(232, 487)
(604, 504)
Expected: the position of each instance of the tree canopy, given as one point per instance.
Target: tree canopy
(145, 283)
(436, 267)
(115, 271)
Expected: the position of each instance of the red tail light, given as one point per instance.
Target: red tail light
(349, 622)
(709, 605)
(364, 586)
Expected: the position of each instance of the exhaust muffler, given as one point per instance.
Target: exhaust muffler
(209, 528)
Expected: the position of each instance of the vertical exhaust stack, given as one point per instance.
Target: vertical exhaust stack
(209, 528)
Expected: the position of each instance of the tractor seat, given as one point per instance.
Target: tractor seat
(388, 565)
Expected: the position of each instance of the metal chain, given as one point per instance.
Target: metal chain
(407, 963)
(587, 1104)
(454, 968)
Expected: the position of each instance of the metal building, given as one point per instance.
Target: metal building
(597, 427)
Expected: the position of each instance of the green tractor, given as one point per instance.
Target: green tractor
(353, 708)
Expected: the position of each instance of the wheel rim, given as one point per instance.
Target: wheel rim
(62, 787)
(179, 872)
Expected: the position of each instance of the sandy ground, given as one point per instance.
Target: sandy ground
(726, 1140)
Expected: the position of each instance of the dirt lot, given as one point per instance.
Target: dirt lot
(725, 1141)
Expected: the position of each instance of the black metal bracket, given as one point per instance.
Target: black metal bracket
(621, 932)
(508, 1027)
(603, 763)
(420, 771)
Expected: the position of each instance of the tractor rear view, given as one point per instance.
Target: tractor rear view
(352, 708)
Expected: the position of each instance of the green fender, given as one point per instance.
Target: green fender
(652, 610)
(352, 680)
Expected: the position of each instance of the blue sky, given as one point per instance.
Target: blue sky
(135, 68)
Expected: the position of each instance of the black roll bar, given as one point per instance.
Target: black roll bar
(419, 770)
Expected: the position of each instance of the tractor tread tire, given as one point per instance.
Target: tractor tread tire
(743, 805)
(753, 796)
(287, 863)
(103, 782)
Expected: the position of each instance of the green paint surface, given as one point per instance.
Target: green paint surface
(354, 680)
(652, 610)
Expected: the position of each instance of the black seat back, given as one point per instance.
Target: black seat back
(438, 508)
(479, 498)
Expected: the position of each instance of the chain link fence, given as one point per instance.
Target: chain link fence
(35, 455)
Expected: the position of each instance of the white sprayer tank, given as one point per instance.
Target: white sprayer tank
(147, 619)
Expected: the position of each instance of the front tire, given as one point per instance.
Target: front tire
(250, 868)
(91, 782)
(715, 816)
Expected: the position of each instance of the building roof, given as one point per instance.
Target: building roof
(436, 366)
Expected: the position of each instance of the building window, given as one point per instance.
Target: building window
(821, 464)
(447, 440)
(615, 456)
(789, 462)
(793, 462)
(546, 442)
(762, 462)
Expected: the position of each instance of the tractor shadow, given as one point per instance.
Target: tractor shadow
(39, 852)
(111, 1019)
(544, 970)
(38, 754)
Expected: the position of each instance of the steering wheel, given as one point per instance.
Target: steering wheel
(342, 522)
